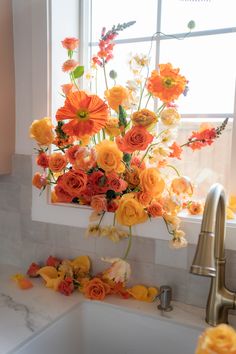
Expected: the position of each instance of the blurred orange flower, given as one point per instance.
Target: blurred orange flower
(70, 43)
(117, 96)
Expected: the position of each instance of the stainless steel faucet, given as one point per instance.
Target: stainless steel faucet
(209, 259)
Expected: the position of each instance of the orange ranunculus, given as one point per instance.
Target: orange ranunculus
(144, 118)
(166, 84)
(112, 127)
(42, 160)
(39, 180)
(109, 157)
(155, 209)
(151, 181)
(70, 43)
(87, 114)
(217, 340)
(69, 65)
(195, 208)
(130, 211)
(67, 88)
(41, 131)
(96, 289)
(85, 158)
(57, 162)
(99, 203)
(73, 182)
(117, 96)
(144, 198)
(137, 138)
(181, 185)
(132, 176)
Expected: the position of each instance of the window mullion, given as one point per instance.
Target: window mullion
(233, 151)
(158, 41)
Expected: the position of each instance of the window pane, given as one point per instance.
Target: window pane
(207, 14)
(209, 65)
(106, 13)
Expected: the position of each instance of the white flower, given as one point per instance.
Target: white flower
(119, 271)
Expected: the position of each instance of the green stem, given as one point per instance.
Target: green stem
(73, 80)
(129, 243)
(114, 219)
(149, 96)
(103, 134)
(105, 74)
(175, 169)
(147, 151)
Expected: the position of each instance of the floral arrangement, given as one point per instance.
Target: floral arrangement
(218, 340)
(66, 276)
(116, 153)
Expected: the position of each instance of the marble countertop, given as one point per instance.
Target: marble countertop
(24, 313)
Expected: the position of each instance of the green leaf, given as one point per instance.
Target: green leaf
(122, 117)
(78, 72)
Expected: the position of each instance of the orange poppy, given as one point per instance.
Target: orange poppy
(166, 84)
(87, 114)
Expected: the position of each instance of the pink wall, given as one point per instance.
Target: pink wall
(7, 87)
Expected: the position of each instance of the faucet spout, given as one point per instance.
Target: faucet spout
(209, 259)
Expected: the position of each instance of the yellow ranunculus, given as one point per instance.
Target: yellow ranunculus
(219, 340)
(109, 157)
(142, 293)
(144, 117)
(41, 131)
(112, 127)
(130, 211)
(151, 181)
(117, 96)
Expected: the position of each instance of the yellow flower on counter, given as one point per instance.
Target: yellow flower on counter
(217, 340)
(142, 293)
(81, 265)
(51, 277)
(130, 211)
(41, 131)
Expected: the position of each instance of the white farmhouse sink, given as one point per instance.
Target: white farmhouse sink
(101, 328)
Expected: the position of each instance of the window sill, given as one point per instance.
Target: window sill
(78, 216)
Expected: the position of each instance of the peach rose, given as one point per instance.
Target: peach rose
(96, 289)
(144, 198)
(117, 96)
(69, 65)
(71, 153)
(39, 181)
(42, 160)
(195, 208)
(155, 210)
(130, 211)
(73, 182)
(181, 185)
(70, 43)
(217, 340)
(41, 131)
(109, 157)
(144, 118)
(57, 162)
(85, 158)
(151, 181)
(99, 203)
(137, 138)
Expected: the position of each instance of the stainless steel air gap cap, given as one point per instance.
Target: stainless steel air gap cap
(165, 298)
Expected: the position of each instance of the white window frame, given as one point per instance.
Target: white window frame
(40, 95)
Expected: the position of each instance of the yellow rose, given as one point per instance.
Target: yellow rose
(144, 117)
(109, 157)
(41, 131)
(117, 96)
(130, 211)
(151, 181)
(217, 340)
(112, 127)
(170, 116)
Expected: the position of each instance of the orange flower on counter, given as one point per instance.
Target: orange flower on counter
(218, 340)
(96, 289)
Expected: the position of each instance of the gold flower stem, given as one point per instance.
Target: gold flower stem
(129, 243)
(175, 169)
(105, 74)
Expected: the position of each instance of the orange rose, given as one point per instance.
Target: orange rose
(109, 157)
(181, 185)
(130, 211)
(151, 181)
(69, 65)
(42, 160)
(117, 96)
(155, 209)
(99, 203)
(57, 162)
(39, 180)
(137, 138)
(73, 182)
(144, 118)
(61, 196)
(144, 198)
(96, 289)
(71, 153)
(70, 43)
(217, 340)
(41, 131)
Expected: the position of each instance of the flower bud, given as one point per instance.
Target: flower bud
(113, 74)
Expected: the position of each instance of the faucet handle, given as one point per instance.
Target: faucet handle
(165, 297)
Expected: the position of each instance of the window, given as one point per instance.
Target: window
(206, 57)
